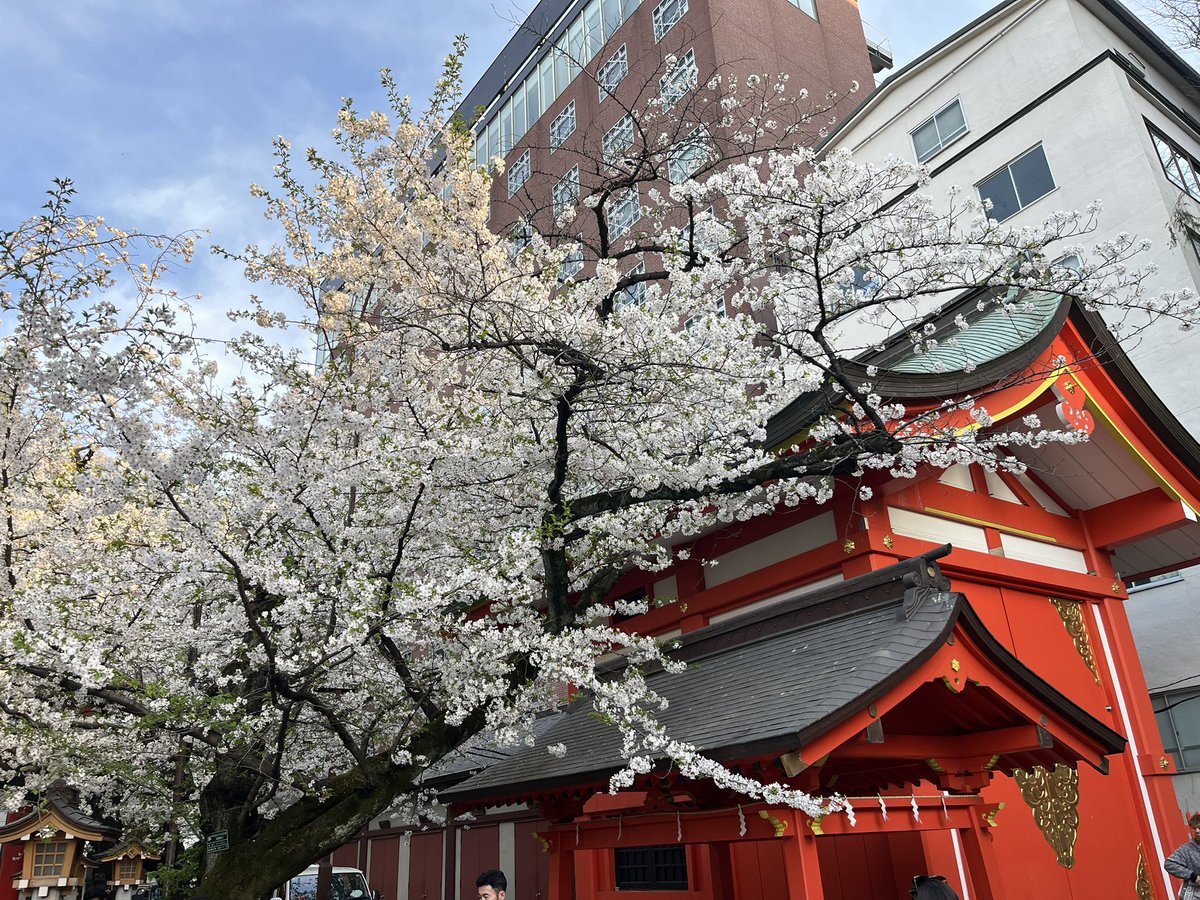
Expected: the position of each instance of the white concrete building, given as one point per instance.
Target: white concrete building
(1041, 105)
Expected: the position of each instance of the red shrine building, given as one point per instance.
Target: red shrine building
(952, 655)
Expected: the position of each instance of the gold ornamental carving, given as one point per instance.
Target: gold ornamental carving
(1054, 799)
(1142, 884)
(1071, 613)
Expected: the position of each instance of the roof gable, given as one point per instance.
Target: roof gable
(804, 681)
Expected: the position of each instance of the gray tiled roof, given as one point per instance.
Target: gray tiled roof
(797, 675)
(479, 753)
(65, 801)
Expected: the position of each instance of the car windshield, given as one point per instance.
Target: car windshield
(344, 886)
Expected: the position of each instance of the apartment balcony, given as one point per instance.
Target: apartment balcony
(879, 48)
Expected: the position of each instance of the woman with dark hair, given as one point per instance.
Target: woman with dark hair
(932, 887)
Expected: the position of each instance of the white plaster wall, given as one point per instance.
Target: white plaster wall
(1094, 137)
(1098, 147)
(1165, 619)
(792, 541)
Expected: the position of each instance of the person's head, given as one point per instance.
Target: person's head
(491, 885)
(1194, 824)
(932, 887)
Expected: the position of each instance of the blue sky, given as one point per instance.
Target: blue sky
(163, 111)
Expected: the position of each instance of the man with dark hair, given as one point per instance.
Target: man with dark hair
(932, 887)
(1185, 862)
(491, 885)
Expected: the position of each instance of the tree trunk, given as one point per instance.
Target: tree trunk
(265, 856)
(284, 846)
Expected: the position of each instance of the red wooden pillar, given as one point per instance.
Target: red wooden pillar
(801, 868)
(1154, 803)
(562, 872)
(720, 866)
(980, 856)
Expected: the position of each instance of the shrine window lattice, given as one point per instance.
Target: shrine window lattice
(660, 868)
(49, 857)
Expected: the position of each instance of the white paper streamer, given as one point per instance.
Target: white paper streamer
(741, 822)
(916, 811)
(678, 828)
(882, 807)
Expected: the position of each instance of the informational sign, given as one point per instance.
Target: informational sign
(218, 841)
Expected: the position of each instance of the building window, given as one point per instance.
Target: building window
(617, 140)
(623, 213)
(566, 193)
(942, 128)
(613, 72)
(562, 127)
(635, 294)
(571, 264)
(49, 859)
(681, 78)
(666, 14)
(717, 310)
(809, 6)
(127, 871)
(518, 173)
(688, 156)
(1178, 715)
(1181, 167)
(581, 40)
(1147, 581)
(661, 868)
(1017, 185)
(520, 236)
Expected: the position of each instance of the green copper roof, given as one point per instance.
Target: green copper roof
(997, 330)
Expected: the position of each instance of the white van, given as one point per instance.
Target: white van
(346, 884)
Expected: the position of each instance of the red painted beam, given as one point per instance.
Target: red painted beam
(926, 746)
(1134, 518)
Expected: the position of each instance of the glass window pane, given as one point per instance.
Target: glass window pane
(1189, 176)
(999, 189)
(546, 76)
(562, 67)
(613, 72)
(533, 105)
(566, 192)
(950, 122)
(518, 105)
(576, 35)
(519, 173)
(595, 31)
(506, 129)
(1165, 153)
(494, 138)
(562, 127)
(611, 11)
(1032, 176)
(925, 140)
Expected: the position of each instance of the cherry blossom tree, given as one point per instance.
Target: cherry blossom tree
(268, 607)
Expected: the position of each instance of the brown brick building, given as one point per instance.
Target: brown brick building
(574, 88)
